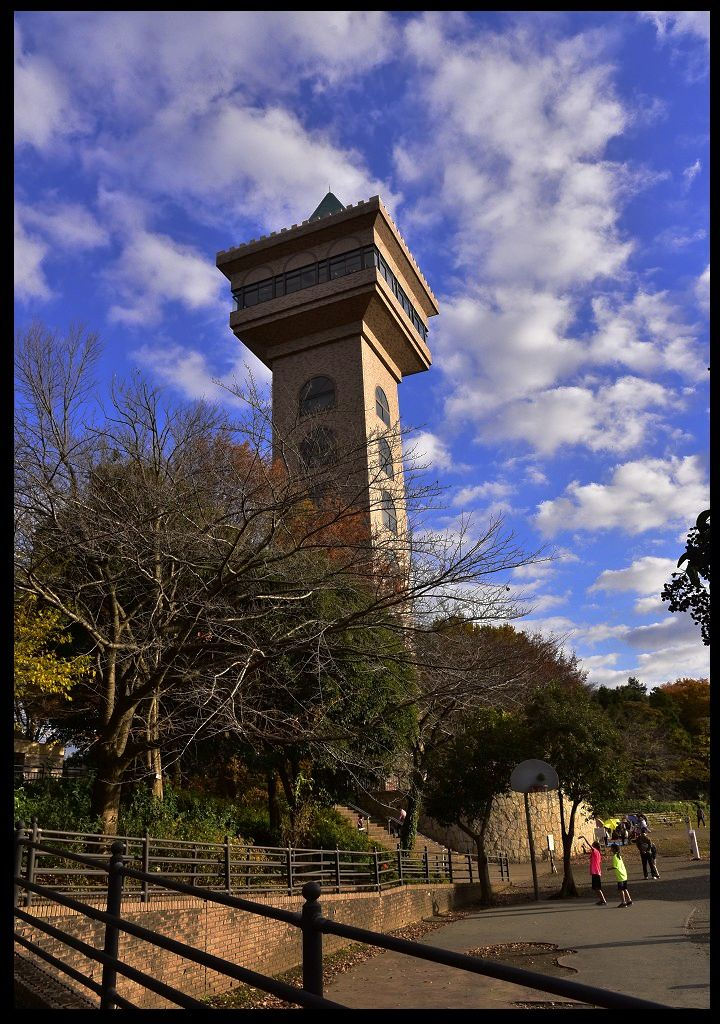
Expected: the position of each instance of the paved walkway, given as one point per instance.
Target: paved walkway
(657, 949)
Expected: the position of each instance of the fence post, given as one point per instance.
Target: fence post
(450, 870)
(469, 857)
(114, 902)
(228, 883)
(30, 866)
(400, 863)
(193, 869)
(337, 868)
(289, 870)
(146, 868)
(377, 868)
(312, 943)
(19, 836)
(427, 865)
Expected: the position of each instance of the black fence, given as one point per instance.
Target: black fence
(35, 772)
(310, 921)
(233, 867)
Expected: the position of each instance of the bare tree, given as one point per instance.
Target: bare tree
(194, 554)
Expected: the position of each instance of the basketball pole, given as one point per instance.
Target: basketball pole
(531, 844)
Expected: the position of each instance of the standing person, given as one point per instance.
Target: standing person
(645, 849)
(360, 823)
(595, 870)
(700, 815)
(653, 858)
(621, 874)
(642, 820)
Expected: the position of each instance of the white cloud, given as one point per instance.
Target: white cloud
(30, 251)
(518, 141)
(543, 602)
(645, 334)
(535, 475)
(214, 134)
(613, 417)
(702, 290)
(691, 172)
(499, 347)
(642, 495)
(236, 161)
(519, 169)
(680, 23)
(646, 576)
(190, 372)
(43, 111)
(674, 629)
(687, 659)
(153, 270)
(66, 225)
(490, 489)
(427, 449)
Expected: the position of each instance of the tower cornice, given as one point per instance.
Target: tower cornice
(366, 213)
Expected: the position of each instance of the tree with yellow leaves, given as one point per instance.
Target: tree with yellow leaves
(43, 674)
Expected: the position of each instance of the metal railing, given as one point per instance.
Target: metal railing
(310, 921)
(233, 867)
(36, 772)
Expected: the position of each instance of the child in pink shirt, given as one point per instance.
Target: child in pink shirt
(596, 870)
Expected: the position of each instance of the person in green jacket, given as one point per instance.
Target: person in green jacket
(621, 874)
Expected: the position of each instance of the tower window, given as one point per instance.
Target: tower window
(318, 447)
(389, 515)
(386, 459)
(316, 395)
(382, 406)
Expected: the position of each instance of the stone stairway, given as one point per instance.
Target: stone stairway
(378, 834)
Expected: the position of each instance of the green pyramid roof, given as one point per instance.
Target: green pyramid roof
(330, 204)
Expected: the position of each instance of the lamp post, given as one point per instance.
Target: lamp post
(533, 776)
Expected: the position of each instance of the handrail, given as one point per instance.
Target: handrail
(359, 810)
(490, 968)
(232, 866)
(310, 921)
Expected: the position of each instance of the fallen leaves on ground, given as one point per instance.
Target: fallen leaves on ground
(246, 998)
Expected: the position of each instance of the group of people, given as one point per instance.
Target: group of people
(632, 829)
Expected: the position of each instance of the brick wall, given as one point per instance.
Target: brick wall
(257, 943)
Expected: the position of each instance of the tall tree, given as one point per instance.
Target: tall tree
(689, 590)
(190, 560)
(465, 667)
(567, 729)
(469, 772)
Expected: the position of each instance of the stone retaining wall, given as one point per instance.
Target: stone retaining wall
(507, 831)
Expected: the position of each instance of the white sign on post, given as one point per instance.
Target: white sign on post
(551, 843)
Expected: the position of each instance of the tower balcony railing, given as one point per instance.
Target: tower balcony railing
(328, 270)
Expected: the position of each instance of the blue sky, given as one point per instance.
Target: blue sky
(550, 174)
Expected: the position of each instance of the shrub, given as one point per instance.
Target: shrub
(58, 804)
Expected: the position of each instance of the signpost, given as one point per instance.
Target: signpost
(533, 776)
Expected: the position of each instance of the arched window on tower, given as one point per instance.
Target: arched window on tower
(389, 515)
(316, 395)
(386, 459)
(382, 406)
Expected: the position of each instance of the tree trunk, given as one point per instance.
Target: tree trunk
(408, 830)
(568, 887)
(154, 755)
(273, 804)
(486, 893)
(106, 790)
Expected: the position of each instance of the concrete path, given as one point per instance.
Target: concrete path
(657, 949)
